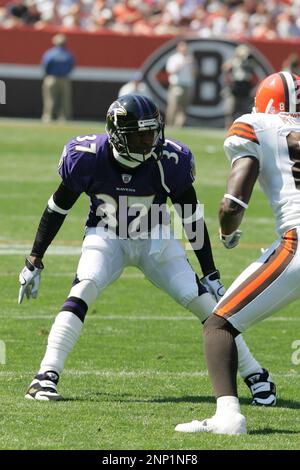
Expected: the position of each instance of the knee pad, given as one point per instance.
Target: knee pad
(187, 288)
(202, 306)
(86, 290)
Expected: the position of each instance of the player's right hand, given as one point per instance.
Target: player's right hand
(29, 278)
(232, 240)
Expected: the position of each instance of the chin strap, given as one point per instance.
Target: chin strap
(124, 161)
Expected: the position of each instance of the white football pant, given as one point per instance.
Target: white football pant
(163, 262)
(266, 286)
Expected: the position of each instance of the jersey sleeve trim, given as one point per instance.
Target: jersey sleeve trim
(55, 208)
(244, 130)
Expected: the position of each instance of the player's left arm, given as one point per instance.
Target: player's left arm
(51, 221)
(240, 184)
(188, 207)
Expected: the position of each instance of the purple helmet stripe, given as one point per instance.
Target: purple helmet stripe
(141, 110)
(146, 105)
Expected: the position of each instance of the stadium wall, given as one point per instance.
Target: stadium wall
(104, 61)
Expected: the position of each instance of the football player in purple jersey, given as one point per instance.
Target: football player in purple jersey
(128, 174)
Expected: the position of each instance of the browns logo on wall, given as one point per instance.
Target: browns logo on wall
(209, 54)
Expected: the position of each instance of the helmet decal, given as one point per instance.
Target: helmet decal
(135, 129)
(117, 110)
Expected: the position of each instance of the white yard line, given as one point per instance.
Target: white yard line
(135, 275)
(133, 373)
(52, 250)
(11, 249)
(99, 317)
(113, 373)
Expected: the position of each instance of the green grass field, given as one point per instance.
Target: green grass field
(138, 368)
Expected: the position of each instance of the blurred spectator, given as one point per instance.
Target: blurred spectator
(23, 12)
(18, 9)
(292, 64)
(181, 75)
(287, 26)
(205, 18)
(58, 63)
(101, 16)
(136, 85)
(240, 80)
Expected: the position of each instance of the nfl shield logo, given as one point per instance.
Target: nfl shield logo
(126, 178)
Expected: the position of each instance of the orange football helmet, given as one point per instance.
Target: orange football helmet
(278, 93)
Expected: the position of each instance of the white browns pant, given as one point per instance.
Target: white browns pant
(266, 286)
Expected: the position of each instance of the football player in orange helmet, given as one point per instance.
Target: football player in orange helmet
(263, 146)
(278, 93)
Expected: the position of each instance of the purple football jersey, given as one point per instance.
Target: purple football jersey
(119, 195)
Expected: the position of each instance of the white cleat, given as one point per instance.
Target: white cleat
(233, 423)
(44, 387)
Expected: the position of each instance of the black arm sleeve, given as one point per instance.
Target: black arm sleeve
(204, 254)
(51, 221)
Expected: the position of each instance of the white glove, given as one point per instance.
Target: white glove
(29, 278)
(232, 240)
(214, 285)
